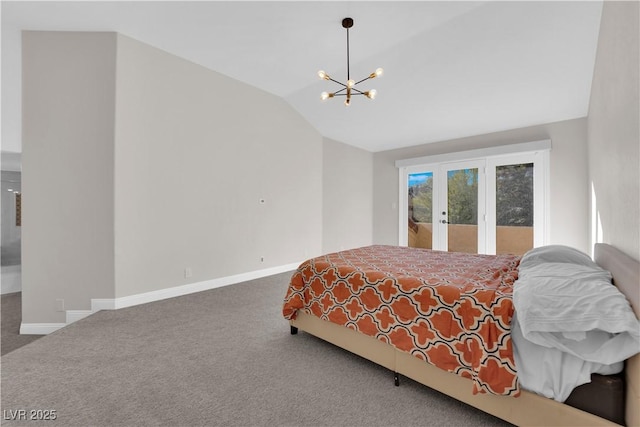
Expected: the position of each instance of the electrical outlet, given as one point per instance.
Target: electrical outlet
(187, 272)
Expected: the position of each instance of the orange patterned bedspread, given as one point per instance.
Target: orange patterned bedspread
(450, 309)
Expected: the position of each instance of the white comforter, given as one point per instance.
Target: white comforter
(570, 322)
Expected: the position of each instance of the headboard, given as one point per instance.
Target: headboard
(626, 276)
(625, 271)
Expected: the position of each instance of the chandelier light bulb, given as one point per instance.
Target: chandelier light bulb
(324, 96)
(377, 73)
(371, 94)
(323, 75)
(347, 102)
(350, 83)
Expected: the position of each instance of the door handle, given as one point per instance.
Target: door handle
(444, 221)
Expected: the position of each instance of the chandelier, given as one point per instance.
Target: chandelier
(349, 88)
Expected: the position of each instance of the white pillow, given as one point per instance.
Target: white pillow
(555, 253)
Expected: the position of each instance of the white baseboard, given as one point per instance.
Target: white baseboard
(177, 291)
(11, 279)
(75, 315)
(98, 304)
(40, 328)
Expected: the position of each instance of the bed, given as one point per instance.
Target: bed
(457, 338)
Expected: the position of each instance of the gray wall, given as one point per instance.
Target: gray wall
(568, 176)
(138, 170)
(614, 129)
(196, 151)
(347, 218)
(67, 171)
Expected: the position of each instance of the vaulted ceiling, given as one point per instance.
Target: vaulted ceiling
(452, 68)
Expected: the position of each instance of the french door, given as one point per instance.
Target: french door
(445, 209)
(461, 207)
(485, 205)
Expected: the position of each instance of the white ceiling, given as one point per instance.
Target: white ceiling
(452, 68)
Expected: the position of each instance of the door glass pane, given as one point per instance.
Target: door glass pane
(420, 230)
(462, 214)
(514, 208)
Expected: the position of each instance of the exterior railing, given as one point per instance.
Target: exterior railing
(464, 238)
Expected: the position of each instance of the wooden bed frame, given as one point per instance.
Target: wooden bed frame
(529, 408)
